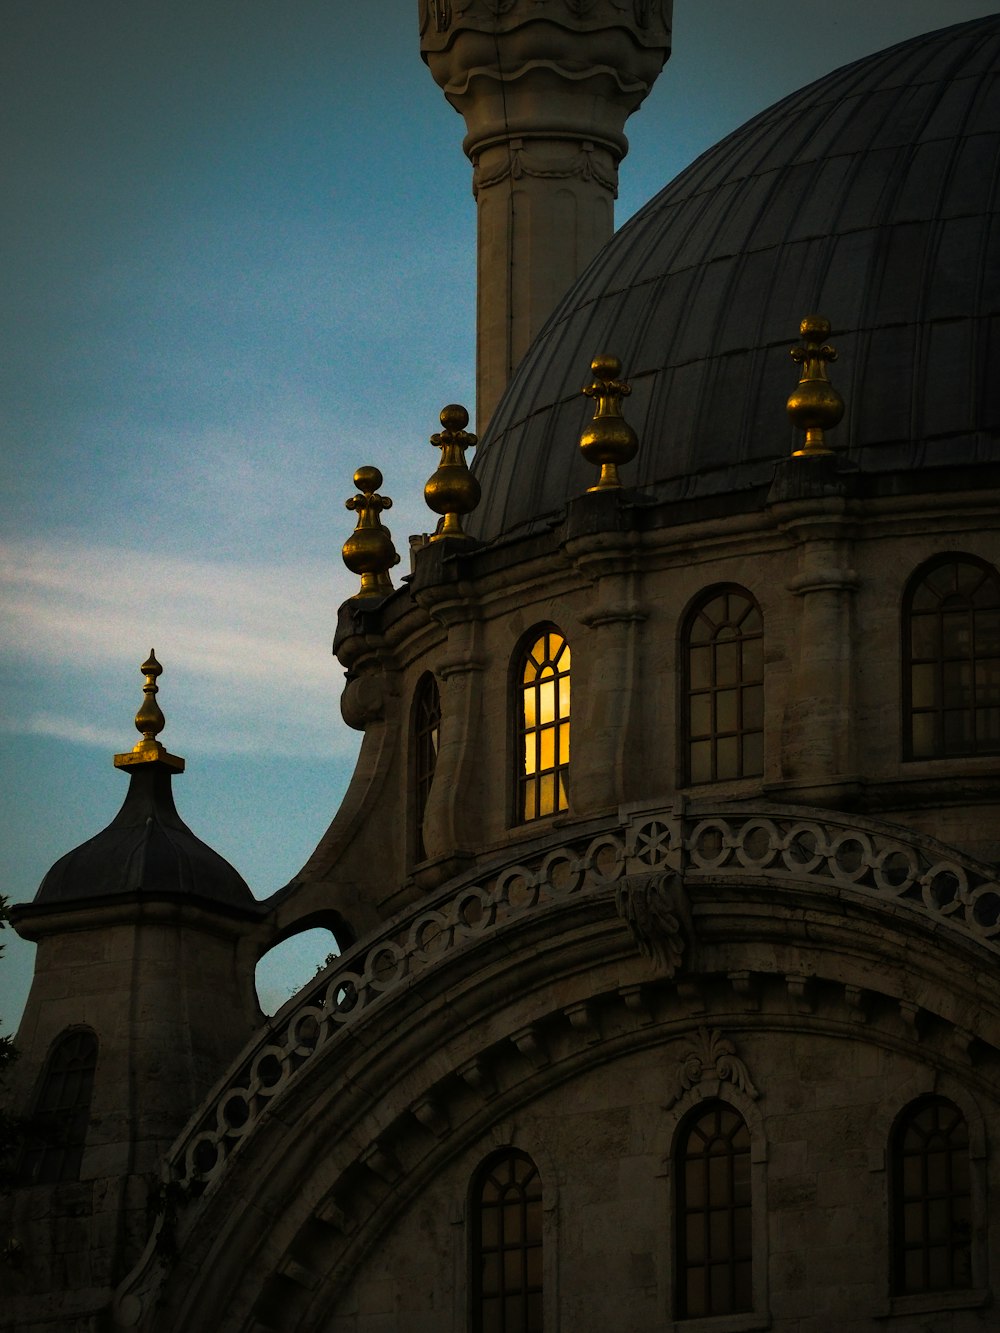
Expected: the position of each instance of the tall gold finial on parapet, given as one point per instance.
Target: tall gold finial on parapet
(815, 405)
(149, 722)
(369, 551)
(609, 441)
(452, 491)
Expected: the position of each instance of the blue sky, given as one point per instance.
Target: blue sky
(238, 261)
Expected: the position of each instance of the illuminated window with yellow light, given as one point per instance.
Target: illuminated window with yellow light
(543, 731)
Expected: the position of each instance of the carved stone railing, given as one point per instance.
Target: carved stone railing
(781, 844)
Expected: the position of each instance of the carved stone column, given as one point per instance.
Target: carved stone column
(819, 728)
(607, 691)
(545, 87)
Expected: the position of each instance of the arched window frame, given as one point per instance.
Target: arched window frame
(57, 1129)
(930, 1197)
(936, 655)
(425, 738)
(487, 1239)
(884, 1124)
(669, 1140)
(707, 684)
(531, 777)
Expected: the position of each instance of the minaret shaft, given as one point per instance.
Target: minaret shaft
(545, 92)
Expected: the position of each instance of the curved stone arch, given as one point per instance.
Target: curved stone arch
(314, 1194)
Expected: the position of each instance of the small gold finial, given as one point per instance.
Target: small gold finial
(369, 551)
(815, 405)
(452, 491)
(149, 722)
(609, 440)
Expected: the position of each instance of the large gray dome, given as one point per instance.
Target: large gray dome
(870, 197)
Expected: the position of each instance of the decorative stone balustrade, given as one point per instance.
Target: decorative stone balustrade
(828, 852)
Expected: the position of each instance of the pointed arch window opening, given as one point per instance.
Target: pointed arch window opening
(544, 727)
(426, 742)
(507, 1246)
(932, 1199)
(952, 669)
(57, 1131)
(713, 1218)
(724, 687)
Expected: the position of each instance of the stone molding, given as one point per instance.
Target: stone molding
(709, 1056)
(440, 18)
(827, 852)
(639, 865)
(519, 163)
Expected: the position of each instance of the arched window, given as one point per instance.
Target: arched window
(426, 737)
(723, 653)
(951, 669)
(57, 1130)
(931, 1199)
(542, 682)
(713, 1213)
(507, 1245)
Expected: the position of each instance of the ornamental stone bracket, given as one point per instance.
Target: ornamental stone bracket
(655, 909)
(710, 1056)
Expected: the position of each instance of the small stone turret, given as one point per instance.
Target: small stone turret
(545, 91)
(143, 991)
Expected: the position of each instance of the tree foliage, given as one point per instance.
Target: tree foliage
(10, 1130)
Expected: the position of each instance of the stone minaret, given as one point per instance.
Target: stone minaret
(545, 87)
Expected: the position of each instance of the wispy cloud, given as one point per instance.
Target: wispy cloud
(245, 647)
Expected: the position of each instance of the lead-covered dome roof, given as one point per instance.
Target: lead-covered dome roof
(147, 849)
(870, 197)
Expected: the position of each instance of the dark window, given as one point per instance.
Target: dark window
(57, 1130)
(507, 1246)
(931, 1202)
(713, 1213)
(951, 669)
(543, 726)
(426, 736)
(723, 656)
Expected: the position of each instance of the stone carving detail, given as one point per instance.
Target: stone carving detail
(709, 1056)
(579, 165)
(442, 13)
(653, 908)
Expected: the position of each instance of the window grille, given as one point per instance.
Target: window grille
(713, 1213)
(507, 1245)
(724, 687)
(57, 1131)
(543, 681)
(951, 669)
(931, 1199)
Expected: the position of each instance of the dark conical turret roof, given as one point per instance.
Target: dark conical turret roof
(147, 849)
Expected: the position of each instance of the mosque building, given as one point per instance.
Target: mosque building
(667, 881)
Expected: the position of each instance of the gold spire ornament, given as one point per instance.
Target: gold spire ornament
(149, 722)
(369, 551)
(452, 491)
(609, 441)
(814, 406)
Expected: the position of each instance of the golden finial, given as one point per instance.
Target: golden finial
(815, 405)
(609, 440)
(149, 722)
(369, 551)
(452, 491)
